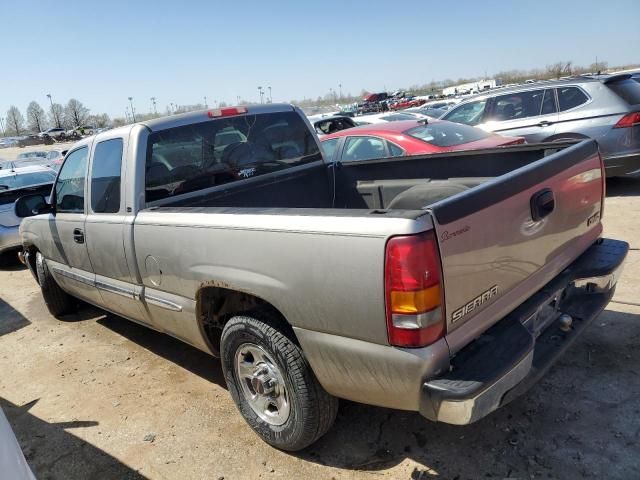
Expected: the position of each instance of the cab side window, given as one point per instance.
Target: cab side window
(71, 182)
(105, 176)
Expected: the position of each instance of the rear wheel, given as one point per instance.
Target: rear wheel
(272, 383)
(57, 300)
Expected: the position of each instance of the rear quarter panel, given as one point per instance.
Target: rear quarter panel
(322, 273)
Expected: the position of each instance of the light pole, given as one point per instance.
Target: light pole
(153, 102)
(205, 102)
(270, 97)
(53, 112)
(340, 87)
(260, 92)
(126, 114)
(133, 112)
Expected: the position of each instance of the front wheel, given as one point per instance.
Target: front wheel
(273, 385)
(57, 300)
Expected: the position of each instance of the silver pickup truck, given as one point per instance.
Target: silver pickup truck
(444, 284)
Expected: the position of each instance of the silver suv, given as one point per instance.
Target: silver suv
(606, 109)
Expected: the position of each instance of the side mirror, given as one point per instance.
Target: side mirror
(31, 205)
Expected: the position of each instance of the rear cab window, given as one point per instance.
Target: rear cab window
(224, 150)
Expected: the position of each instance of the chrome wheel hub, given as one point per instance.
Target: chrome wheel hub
(262, 384)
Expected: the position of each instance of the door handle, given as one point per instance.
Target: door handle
(544, 123)
(542, 204)
(78, 235)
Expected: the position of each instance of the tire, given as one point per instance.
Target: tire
(57, 300)
(311, 411)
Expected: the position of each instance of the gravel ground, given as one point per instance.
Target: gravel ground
(96, 396)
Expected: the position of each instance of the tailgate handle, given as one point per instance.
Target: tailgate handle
(542, 204)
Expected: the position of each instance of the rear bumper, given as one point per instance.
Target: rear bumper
(512, 355)
(621, 165)
(9, 238)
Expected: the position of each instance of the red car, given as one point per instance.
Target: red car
(410, 137)
(407, 103)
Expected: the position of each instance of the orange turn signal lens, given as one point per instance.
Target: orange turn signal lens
(415, 302)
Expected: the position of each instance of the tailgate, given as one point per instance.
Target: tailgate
(503, 240)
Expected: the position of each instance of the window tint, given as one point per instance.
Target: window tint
(363, 148)
(329, 148)
(203, 155)
(70, 184)
(445, 134)
(325, 127)
(518, 105)
(549, 102)
(105, 176)
(628, 90)
(395, 150)
(21, 180)
(570, 97)
(469, 113)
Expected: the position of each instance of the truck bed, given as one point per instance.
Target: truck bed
(368, 185)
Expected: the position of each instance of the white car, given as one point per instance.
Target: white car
(387, 117)
(12, 461)
(52, 132)
(15, 182)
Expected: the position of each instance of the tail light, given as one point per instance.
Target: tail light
(226, 112)
(629, 120)
(415, 316)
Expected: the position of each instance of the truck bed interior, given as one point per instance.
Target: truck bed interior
(401, 183)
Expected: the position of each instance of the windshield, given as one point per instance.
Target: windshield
(445, 134)
(21, 180)
(203, 155)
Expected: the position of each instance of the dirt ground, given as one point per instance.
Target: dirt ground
(96, 396)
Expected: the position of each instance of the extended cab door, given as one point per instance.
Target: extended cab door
(67, 253)
(106, 230)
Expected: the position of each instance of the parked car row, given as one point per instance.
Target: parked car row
(604, 108)
(408, 137)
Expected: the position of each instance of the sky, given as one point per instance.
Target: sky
(182, 51)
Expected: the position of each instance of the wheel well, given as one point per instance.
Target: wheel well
(565, 136)
(215, 306)
(31, 260)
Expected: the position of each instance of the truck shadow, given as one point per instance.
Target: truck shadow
(9, 262)
(10, 319)
(53, 452)
(167, 347)
(623, 187)
(549, 431)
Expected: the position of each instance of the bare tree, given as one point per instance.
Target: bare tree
(36, 118)
(15, 121)
(55, 115)
(555, 70)
(75, 113)
(102, 120)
